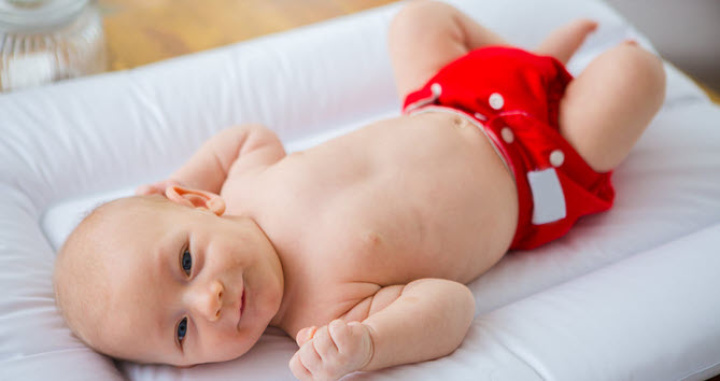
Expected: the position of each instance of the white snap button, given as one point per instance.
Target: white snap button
(480, 116)
(507, 135)
(496, 101)
(557, 158)
(436, 89)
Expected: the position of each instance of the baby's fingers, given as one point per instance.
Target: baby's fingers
(145, 189)
(155, 188)
(304, 335)
(298, 369)
(345, 335)
(353, 342)
(310, 359)
(324, 345)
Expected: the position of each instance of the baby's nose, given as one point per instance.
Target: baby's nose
(209, 300)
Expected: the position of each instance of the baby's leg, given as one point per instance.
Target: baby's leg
(608, 106)
(564, 41)
(427, 35)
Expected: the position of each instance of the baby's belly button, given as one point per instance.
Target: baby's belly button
(461, 122)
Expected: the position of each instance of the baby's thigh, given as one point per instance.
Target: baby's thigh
(608, 106)
(424, 37)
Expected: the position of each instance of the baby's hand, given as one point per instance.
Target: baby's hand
(331, 351)
(155, 188)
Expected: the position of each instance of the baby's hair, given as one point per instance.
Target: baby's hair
(78, 281)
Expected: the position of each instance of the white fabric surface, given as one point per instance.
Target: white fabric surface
(629, 294)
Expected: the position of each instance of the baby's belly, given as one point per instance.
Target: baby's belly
(432, 199)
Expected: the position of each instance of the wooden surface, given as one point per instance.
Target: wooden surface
(715, 97)
(139, 32)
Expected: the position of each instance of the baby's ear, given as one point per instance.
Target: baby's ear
(196, 198)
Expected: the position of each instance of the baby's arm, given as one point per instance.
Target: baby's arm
(246, 147)
(423, 320)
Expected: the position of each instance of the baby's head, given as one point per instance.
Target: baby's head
(169, 280)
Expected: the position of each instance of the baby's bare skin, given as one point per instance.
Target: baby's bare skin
(443, 206)
(435, 185)
(360, 247)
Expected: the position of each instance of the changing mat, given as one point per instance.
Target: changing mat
(627, 294)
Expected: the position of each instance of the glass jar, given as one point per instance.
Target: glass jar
(43, 41)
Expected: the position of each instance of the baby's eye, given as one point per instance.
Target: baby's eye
(182, 330)
(186, 262)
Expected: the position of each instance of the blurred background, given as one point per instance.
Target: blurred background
(687, 33)
(144, 31)
(138, 32)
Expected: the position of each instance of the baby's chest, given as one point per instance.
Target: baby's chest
(384, 257)
(393, 249)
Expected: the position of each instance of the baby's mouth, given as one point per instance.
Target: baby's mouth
(242, 305)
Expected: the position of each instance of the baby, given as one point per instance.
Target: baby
(360, 247)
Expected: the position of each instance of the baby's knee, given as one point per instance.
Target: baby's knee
(424, 8)
(645, 69)
(421, 15)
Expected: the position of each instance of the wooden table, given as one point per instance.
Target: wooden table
(139, 32)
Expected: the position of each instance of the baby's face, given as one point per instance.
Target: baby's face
(184, 285)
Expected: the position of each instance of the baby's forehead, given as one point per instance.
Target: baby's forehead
(135, 207)
(101, 255)
(116, 221)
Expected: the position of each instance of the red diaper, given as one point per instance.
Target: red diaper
(514, 97)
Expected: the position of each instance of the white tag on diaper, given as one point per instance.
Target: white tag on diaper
(548, 197)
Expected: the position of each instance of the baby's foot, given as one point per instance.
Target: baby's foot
(631, 42)
(564, 41)
(582, 27)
